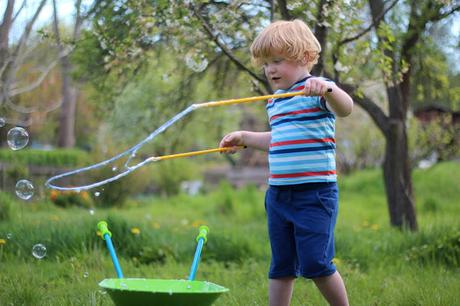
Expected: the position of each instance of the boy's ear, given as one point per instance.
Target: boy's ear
(307, 58)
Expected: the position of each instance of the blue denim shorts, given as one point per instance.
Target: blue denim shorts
(301, 221)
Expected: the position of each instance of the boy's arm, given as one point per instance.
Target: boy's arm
(337, 100)
(256, 140)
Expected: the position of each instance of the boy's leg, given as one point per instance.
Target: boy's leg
(333, 289)
(280, 291)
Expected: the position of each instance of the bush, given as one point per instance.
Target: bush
(56, 158)
(226, 201)
(115, 193)
(444, 250)
(66, 199)
(5, 206)
(168, 175)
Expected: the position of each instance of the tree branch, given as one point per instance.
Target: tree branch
(227, 52)
(374, 24)
(284, 10)
(365, 102)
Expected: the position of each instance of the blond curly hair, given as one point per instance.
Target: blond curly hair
(292, 39)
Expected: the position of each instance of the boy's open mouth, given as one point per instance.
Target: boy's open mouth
(276, 78)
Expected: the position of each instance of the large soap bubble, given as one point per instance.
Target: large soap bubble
(24, 189)
(17, 138)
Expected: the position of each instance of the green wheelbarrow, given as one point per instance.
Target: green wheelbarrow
(159, 292)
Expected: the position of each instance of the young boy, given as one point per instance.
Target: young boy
(302, 198)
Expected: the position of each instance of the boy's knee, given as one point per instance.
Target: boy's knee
(317, 268)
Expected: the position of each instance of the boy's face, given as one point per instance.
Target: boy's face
(283, 73)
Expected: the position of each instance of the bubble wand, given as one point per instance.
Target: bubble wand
(132, 151)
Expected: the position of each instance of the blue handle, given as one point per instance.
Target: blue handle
(196, 259)
(116, 264)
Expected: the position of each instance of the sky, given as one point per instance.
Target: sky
(65, 9)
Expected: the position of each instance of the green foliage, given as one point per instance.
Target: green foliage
(115, 193)
(168, 175)
(66, 199)
(56, 158)
(155, 238)
(226, 203)
(6, 203)
(439, 250)
(439, 136)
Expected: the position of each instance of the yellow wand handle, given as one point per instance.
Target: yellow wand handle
(250, 99)
(194, 153)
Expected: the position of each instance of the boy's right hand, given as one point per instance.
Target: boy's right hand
(232, 139)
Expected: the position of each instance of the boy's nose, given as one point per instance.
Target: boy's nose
(269, 69)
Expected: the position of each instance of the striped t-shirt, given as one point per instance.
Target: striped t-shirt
(302, 147)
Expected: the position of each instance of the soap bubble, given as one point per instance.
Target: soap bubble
(39, 251)
(91, 212)
(97, 193)
(2, 122)
(17, 138)
(196, 62)
(85, 275)
(114, 168)
(9, 236)
(24, 189)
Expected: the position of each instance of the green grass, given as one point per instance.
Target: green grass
(381, 265)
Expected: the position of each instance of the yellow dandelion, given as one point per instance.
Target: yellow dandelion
(2, 241)
(336, 261)
(156, 225)
(375, 227)
(135, 231)
(197, 223)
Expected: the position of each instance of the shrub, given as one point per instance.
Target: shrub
(444, 250)
(5, 206)
(115, 193)
(168, 175)
(56, 158)
(66, 199)
(226, 200)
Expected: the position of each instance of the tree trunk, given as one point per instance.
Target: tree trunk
(397, 177)
(66, 137)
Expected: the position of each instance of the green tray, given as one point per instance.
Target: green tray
(158, 292)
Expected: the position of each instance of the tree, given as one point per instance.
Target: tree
(357, 37)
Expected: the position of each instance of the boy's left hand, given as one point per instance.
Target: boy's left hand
(316, 87)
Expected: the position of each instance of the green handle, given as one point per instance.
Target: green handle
(204, 230)
(102, 227)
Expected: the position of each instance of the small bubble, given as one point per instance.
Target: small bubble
(114, 168)
(91, 212)
(39, 251)
(102, 292)
(9, 236)
(170, 292)
(97, 193)
(85, 275)
(195, 61)
(123, 285)
(17, 138)
(2, 122)
(24, 189)
(188, 286)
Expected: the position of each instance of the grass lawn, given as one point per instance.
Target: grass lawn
(154, 238)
